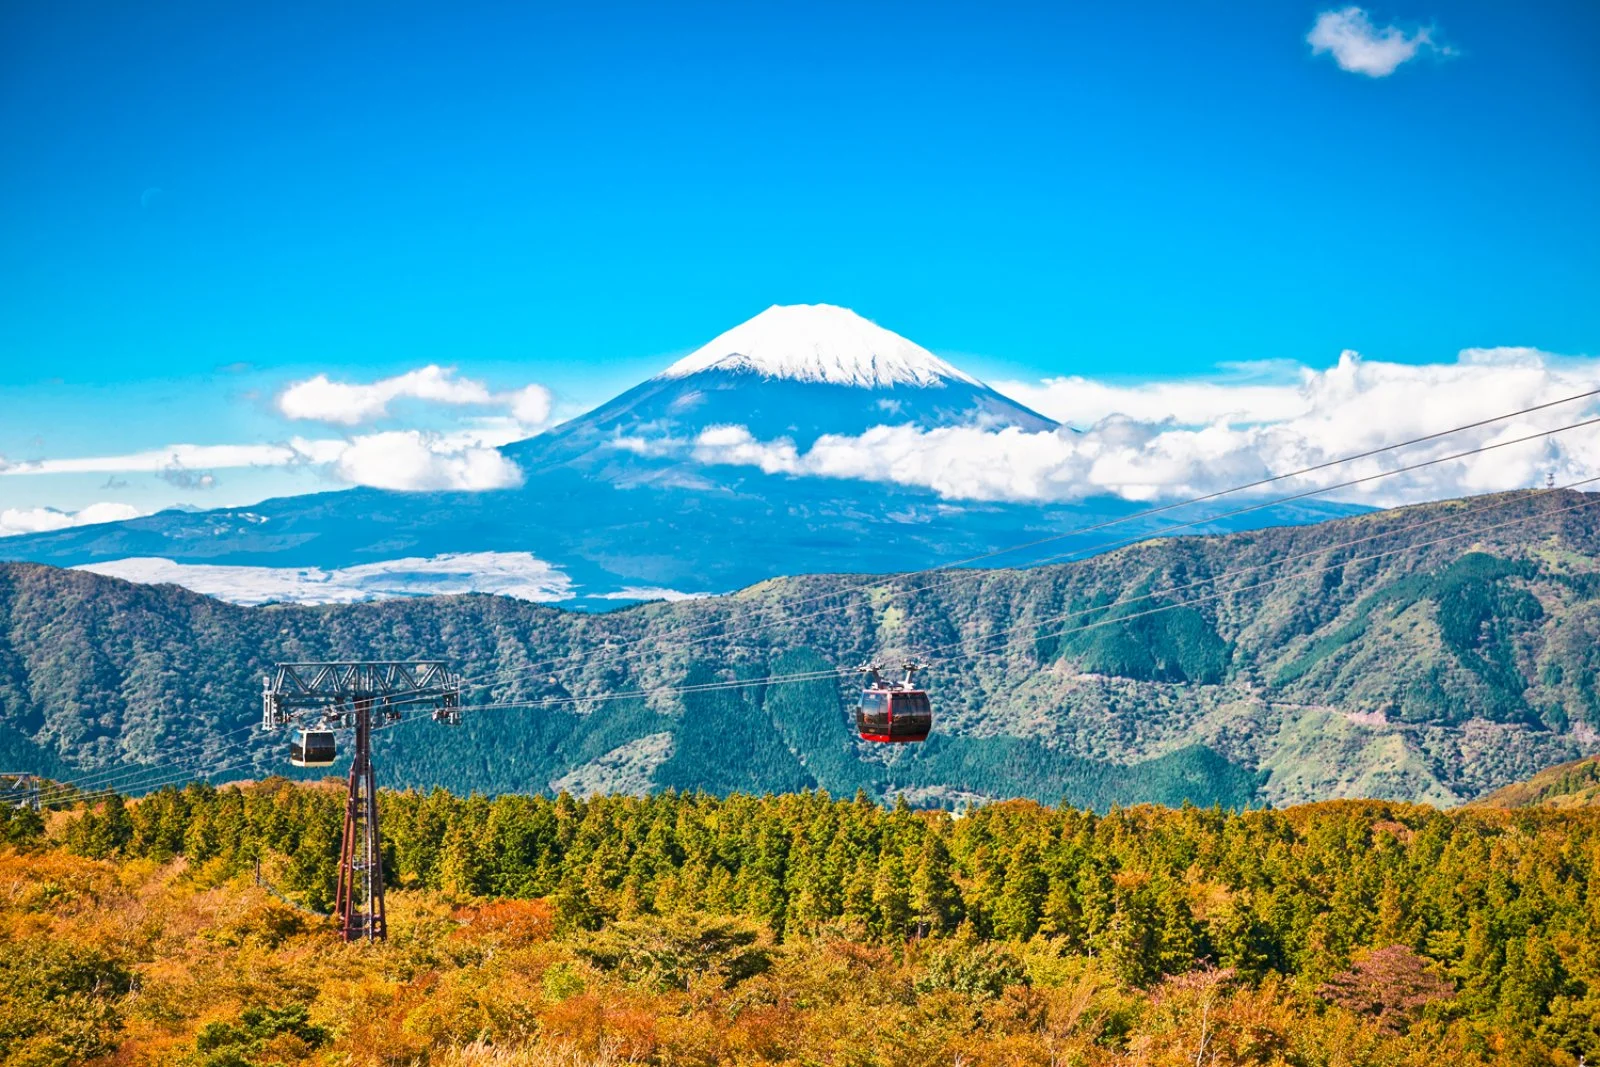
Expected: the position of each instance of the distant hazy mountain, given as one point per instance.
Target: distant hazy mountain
(623, 503)
(1401, 666)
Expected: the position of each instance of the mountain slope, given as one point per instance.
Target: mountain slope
(1437, 673)
(687, 483)
(1568, 785)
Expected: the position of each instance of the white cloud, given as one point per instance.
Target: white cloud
(411, 460)
(15, 521)
(320, 399)
(736, 445)
(395, 459)
(1171, 440)
(652, 592)
(514, 574)
(530, 405)
(1361, 48)
(350, 404)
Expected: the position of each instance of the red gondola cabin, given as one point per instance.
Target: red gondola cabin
(894, 712)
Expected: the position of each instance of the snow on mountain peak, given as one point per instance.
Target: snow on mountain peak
(819, 343)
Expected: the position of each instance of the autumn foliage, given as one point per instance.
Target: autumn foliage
(681, 930)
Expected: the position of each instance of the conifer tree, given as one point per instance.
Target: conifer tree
(463, 870)
(1021, 900)
(934, 897)
(104, 833)
(574, 910)
(891, 898)
(20, 826)
(1132, 942)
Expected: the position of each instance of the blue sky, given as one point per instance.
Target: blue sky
(201, 203)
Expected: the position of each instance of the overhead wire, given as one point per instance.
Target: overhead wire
(115, 771)
(156, 776)
(480, 684)
(555, 669)
(1107, 608)
(549, 701)
(775, 680)
(1108, 620)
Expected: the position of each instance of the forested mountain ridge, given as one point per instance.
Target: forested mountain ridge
(1309, 669)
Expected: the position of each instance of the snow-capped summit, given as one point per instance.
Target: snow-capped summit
(793, 374)
(819, 343)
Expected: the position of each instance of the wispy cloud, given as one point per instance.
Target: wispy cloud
(180, 477)
(1362, 48)
(156, 460)
(652, 592)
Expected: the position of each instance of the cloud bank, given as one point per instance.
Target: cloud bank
(1361, 48)
(1157, 440)
(1177, 439)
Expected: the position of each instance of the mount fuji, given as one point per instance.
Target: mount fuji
(686, 484)
(794, 374)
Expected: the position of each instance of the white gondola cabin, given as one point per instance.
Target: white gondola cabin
(312, 748)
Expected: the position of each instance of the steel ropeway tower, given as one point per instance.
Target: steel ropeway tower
(361, 695)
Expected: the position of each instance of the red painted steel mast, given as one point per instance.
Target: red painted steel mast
(360, 898)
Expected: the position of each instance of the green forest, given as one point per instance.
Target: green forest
(684, 928)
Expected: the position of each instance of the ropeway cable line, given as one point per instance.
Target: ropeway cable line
(799, 677)
(1298, 496)
(1031, 623)
(320, 696)
(556, 668)
(137, 772)
(1034, 623)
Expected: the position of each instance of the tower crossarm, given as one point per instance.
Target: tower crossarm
(292, 687)
(19, 789)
